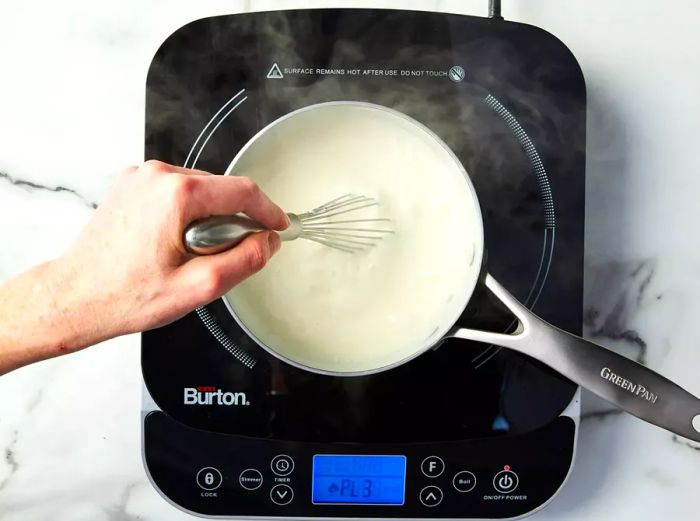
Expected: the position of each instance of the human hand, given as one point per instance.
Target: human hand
(128, 270)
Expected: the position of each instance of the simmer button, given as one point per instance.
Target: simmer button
(251, 479)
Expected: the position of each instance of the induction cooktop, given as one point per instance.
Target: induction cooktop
(465, 430)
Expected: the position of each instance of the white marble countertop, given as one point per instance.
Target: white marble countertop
(71, 115)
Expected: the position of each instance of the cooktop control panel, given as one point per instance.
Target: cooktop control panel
(218, 474)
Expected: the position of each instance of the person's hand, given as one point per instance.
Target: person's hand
(128, 270)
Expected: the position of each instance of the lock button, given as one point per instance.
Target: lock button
(209, 478)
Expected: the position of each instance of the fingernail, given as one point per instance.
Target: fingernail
(275, 242)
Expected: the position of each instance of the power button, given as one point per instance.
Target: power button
(505, 481)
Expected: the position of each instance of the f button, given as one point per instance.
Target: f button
(432, 466)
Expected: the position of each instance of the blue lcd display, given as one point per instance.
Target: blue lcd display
(358, 479)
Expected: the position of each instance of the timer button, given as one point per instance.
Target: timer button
(282, 465)
(505, 481)
(432, 466)
(281, 494)
(251, 479)
(209, 478)
(430, 496)
(464, 481)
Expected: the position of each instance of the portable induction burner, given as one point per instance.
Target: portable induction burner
(463, 431)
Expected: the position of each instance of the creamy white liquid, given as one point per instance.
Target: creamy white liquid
(337, 311)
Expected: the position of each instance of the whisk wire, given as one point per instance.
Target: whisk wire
(342, 207)
(317, 225)
(343, 200)
(331, 244)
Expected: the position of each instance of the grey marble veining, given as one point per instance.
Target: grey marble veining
(31, 185)
(608, 312)
(71, 102)
(10, 459)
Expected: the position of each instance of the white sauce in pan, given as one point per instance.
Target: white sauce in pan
(337, 311)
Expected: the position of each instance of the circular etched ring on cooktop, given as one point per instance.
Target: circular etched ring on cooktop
(537, 169)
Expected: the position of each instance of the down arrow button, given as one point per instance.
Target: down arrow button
(281, 494)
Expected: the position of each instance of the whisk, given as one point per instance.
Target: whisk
(322, 225)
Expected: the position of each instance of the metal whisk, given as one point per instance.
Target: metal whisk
(216, 234)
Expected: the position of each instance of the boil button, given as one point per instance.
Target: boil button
(464, 481)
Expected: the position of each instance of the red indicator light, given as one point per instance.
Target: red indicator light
(506, 467)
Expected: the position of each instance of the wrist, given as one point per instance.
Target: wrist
(33, 325)
(63, 304)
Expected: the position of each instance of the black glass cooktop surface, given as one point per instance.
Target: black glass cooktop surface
(508, 99)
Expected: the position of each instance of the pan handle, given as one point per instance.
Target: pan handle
(619, 380)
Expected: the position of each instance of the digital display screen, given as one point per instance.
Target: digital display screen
(358, 480)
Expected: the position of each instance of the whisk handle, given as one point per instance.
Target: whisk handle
(219, 233)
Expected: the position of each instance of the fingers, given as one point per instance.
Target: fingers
(229, 195)
(201, 194)
(209, 277)
(159, 167)
(187, 171)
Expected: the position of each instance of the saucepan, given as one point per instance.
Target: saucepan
(619, 380)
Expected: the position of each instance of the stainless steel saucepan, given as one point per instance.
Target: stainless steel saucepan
(623, 382)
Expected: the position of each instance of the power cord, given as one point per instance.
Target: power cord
(495, 9)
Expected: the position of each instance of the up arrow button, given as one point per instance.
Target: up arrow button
(431, 496)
